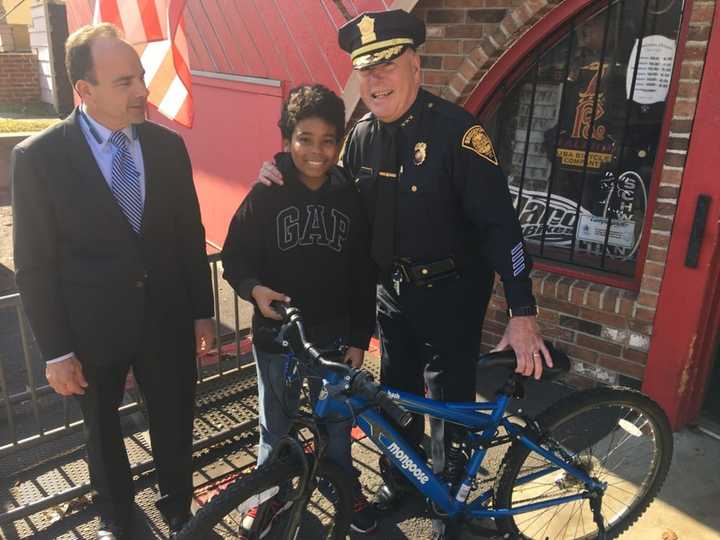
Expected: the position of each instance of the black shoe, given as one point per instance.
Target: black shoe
(111, 531)
(386, 498)
(115, 521)
(364, 519)
(395, 487)
(177, 523)
(444, 530)
(389, 497)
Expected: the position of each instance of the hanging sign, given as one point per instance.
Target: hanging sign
(654, 71)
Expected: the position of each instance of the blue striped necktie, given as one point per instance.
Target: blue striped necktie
(126, 181)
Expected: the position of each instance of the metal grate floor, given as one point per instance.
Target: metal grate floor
(224, 403)
(228, 402)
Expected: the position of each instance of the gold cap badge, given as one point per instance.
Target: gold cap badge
(420, 153)
(367, 29)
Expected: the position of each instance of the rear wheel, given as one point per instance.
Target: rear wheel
(618, 436)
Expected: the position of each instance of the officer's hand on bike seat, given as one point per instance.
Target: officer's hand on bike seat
(507, 359)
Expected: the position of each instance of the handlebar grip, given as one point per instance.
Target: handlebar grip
(282, 308)
(393, 410)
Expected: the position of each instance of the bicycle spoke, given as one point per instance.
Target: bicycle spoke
(554, 511)
(572, 505)
(627, 437)
(577, 525)
(616, 443)
(616, 488)
(549, 521)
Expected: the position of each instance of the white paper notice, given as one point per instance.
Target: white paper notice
(593, 229)
(654, 71)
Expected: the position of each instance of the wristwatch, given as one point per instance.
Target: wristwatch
(522, 311)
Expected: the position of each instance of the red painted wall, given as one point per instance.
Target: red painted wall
(234, 131)
(235, 123)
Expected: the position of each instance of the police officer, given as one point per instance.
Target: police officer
(442, 221)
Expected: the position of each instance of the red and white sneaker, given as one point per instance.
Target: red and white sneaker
(364, 515)
(275, 508)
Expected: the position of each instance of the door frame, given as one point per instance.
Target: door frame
(688, 311)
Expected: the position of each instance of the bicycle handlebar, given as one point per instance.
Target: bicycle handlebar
(359, 382)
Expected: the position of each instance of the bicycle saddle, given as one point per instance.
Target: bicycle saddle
(507, 359)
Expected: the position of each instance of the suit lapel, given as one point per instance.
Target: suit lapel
(91, 180)
(151, 164)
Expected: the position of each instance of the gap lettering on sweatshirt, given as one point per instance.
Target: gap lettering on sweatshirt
(311, 227)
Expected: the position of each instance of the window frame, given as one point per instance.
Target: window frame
(516, 62)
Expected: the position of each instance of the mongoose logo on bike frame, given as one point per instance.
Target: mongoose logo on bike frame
(406, 462)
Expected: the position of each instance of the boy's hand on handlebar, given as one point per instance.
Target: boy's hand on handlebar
(355, 357)
(264, 296)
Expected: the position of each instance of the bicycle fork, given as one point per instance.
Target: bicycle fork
(301, 495)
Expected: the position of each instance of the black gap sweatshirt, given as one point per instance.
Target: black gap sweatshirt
(312, 246)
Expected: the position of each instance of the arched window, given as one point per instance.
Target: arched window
(577, 130)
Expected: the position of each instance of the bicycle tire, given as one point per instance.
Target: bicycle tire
(244, 490)
(606, 405)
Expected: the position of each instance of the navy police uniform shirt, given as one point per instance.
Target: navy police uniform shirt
(452, 196)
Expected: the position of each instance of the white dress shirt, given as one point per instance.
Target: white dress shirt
(98, 138)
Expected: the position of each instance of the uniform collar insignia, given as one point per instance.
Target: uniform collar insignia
(409, 119)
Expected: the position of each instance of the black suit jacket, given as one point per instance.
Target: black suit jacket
(88, 283)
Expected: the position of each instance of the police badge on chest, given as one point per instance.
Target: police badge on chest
(420, 153)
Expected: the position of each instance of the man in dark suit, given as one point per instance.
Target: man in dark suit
(112, 270)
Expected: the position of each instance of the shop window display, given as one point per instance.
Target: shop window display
(577, 134)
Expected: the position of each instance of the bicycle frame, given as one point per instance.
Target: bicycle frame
(483, 418)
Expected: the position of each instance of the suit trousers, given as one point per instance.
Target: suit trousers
(430, 341)
(166, 374)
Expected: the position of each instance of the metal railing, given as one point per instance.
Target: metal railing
(37, 415)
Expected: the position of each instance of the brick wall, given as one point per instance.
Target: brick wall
(465, 37)
(605, 330)
(454, 29)
(19, 83)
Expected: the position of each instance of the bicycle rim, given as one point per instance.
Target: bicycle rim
(624, 443)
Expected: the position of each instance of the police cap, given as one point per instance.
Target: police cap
(376, 37)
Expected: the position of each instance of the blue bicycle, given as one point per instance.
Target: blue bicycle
(586, 468)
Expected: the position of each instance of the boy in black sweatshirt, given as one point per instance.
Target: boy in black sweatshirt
(306, 241)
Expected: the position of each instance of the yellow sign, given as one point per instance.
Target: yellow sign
(367, 30)
(576, 158)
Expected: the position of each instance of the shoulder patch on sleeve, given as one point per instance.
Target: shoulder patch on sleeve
(477, 140)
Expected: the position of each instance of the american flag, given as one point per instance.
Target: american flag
(157, 30)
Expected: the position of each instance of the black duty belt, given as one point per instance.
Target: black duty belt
(423, 274)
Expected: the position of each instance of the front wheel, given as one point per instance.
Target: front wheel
(617, 435)
(272, 486)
